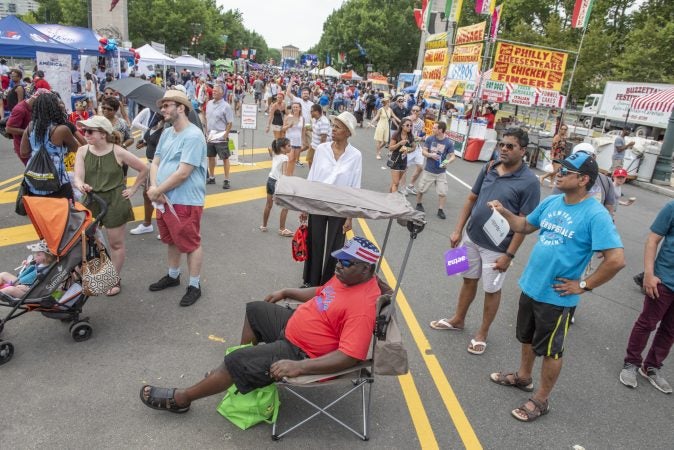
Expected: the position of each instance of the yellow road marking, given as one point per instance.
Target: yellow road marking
(215, 338)
(463, 426)
(26, 233)
(9, 180)
(418, 413)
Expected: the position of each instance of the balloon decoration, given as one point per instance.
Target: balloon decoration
(109, 46)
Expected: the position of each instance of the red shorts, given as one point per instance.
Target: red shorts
(181, 229)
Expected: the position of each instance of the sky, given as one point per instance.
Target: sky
(294, 22)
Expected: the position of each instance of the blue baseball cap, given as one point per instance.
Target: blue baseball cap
(583, 163)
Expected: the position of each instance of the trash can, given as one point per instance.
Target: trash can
(647, 165)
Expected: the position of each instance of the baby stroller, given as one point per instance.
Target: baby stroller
(57, 292)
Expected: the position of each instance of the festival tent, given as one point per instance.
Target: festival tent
(21, 40)
(83, 39)
(191, 63)
(329, 72)
(148, 55)
(662, 101)
(351, 75)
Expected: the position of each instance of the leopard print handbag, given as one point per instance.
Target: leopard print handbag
(98, 274)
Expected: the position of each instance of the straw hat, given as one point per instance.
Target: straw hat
(348, 120)
(177, 96)
(97, 122)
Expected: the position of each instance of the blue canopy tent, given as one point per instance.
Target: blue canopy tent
(20, 40)
(411, 89)
(83, 39)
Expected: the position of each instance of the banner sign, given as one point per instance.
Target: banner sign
(548, 98)
(529, 66)
(449, 87)
(434, 72)
(521, 95)
(57, 69)
(466, 72)
(494, 91)
(438, 40)
(581, 13)
(470, 53)
(436, 57)
(471, 33)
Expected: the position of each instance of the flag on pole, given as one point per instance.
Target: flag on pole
(341, 58)
(581, 13)
(327, 59)
(453, 10)
(422, 16)
(495, 21)
(485, 6)
(361, 50)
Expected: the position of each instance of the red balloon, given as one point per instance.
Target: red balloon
(103, 41)
(132, 50)
(101, 50)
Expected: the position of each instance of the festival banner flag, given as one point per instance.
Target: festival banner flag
(581, 13)
(327, 59)
(341, 58)
(496, 21)
(529, 66)
(453, 10)
(427, 13)
(484, 6)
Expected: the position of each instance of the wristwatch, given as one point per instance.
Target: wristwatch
(583, 285)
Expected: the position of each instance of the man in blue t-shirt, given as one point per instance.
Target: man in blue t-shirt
(572, 227)
(658, 307)
(439, 153)
(178, 188)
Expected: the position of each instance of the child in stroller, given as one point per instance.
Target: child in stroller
(34, 265)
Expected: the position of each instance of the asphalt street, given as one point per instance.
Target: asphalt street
(56, 393)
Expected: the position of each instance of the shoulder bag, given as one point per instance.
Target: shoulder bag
(98, 274)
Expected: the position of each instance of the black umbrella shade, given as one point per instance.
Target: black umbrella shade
(141, 91)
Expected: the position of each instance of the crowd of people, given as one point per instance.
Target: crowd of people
(89, 149)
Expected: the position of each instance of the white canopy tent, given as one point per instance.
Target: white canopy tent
(149, 55)
(192, 64)
(329, 72)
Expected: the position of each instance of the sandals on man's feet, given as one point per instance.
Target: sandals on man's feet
(540, 409)
(162, 399)
(525, 384)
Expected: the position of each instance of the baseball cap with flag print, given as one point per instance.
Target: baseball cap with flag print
(358, 248)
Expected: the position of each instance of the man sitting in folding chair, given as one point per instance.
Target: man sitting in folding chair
(330, 332)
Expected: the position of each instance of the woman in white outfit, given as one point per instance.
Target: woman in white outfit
(293, 126)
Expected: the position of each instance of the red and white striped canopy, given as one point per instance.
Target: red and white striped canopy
(662, 101)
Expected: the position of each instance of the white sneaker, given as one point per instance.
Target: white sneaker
(142, 229)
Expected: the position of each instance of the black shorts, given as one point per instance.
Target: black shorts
(542, 325)
(220, 149)
(258, 96)
(271, 186)
(249, 366)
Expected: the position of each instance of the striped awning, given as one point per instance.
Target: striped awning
(662, 101)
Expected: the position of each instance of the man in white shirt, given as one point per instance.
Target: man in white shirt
(219, 118)
(320, 130)
(306, 104)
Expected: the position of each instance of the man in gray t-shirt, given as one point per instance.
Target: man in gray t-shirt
(258, 87)
(619, 147)
(512, 183)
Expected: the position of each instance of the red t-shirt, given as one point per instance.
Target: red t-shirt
(19, 118)
(339, 317)
(42, 83)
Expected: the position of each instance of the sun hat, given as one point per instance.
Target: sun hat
(97, 122)
(348, 120)
(620, 172)
(39, 246)
(175, 96)
(358, 248)
(583, 163)
(584, 147)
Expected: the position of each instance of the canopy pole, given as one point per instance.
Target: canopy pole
(573, 72)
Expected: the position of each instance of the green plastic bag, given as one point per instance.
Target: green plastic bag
(246, 410)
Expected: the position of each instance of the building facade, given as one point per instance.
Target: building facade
(290, 52)
(17, 7)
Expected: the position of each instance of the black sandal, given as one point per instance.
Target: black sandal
(500, 378)
(540, 409)
(162, 399)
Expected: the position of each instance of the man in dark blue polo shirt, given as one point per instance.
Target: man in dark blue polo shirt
(511, 182)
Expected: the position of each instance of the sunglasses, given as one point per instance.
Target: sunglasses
(506, 145)
(346, 263)
(563, 171)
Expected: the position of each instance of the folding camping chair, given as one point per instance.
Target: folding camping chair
(318, 198)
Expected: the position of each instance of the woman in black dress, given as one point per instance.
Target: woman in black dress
(401, 143)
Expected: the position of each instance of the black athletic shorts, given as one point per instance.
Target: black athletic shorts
(271, 186)
(220, 149)
(249, 366)
(542, 325)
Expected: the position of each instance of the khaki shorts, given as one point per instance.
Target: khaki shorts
(428, 179)
(480, 262)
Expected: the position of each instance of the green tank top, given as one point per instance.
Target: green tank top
(102, 173)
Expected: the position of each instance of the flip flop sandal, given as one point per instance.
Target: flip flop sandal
(285, 233)
(162, 399)
(112, 292)
(263, 228)
(540, 409)
(473, 343)
(443, 325)
(503, 379)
